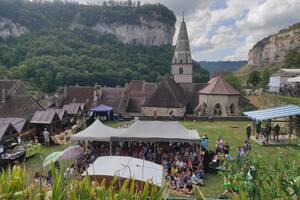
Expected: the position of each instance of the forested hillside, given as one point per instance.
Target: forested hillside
(52, 55)
(214, 66)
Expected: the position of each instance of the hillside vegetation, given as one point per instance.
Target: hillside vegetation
(53, 55)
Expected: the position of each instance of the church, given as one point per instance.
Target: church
(177, 94)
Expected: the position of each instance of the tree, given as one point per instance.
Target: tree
(254, 78)
(292, 58)
(234, 81)
(265, 76)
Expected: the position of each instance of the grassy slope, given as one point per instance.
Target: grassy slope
(233, 135)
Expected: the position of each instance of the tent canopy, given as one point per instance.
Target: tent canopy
(102, 108)
(96, 132)
(157, 131)
(294, 80)
(272, 113)
(127, 167)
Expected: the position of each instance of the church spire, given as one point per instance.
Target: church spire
(182, 63)
(182, 52)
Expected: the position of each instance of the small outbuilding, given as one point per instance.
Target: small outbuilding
(103, 111)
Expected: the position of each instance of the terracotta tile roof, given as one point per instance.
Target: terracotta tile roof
(218, 85)
(61, 112)
(116, 98)
(139, 92)
(10, 85)
(4, 126)
(73, 108)
(18, 123)
(80, 94)
(44, 117)
(169, 94)
(19, 106)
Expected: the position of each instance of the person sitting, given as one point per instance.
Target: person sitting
(226, 148)
(196, 181)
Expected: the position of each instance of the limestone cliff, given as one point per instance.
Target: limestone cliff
(10, 29)
(147, 32)
(273, 48)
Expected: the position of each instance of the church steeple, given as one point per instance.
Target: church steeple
(182, 68)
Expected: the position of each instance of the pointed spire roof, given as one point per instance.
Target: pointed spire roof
(182, 54)
(219, 86)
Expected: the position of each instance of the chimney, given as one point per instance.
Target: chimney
(4, 95)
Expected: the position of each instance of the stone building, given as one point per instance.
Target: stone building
(167, 98)
(219, 99)
(182, 63)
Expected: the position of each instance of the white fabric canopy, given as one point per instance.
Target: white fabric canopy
(96, 132)
(157, 131)
(127, 167)
(294, 80)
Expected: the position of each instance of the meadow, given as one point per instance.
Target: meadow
(232, 132)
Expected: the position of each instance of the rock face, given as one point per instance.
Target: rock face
(148, 33)
(10, 29)
(273, 48)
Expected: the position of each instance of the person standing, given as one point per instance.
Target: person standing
(277, 132)
(46, 135)
(248, 131)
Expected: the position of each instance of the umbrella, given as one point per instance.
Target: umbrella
(52, 158)
(72, 152)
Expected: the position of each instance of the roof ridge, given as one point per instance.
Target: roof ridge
(172, 92)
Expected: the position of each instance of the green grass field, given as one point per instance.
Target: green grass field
(231, 131)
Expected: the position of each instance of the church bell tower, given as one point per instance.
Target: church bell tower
(182, 63)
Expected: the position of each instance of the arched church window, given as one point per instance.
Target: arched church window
(217, 110)
(180, 70)
(232, 109)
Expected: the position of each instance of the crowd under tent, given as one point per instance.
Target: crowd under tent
(292, 112)
(103, 111)
(157, 131)
(124, 167)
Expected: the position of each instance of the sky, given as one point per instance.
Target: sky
(228, 29)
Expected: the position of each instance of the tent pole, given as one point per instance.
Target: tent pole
(154, 151)
(110, 148)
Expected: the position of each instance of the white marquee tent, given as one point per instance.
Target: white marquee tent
(294, 80)
(96, 132)
(127, 167)
(157, 131)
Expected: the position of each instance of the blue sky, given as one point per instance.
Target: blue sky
(228, 29)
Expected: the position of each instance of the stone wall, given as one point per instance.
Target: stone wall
(186, 76)
(225, 102)
(162, 112)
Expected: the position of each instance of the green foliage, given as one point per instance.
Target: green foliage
(52, 55)
(199, 74)
(75, 188)
(37, 15)
(234, 81)
(292, 58)
(265, 77)
(254, 78)
(259, 178)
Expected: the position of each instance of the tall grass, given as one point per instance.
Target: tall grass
(13, 187)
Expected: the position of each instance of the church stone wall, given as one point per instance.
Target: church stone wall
(225, 102)
(186, 76)
(162, 112)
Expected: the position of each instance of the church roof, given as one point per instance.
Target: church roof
(182, 53)
(168, 94)
(218, 85)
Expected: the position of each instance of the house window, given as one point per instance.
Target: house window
(217, 110)
(180, 70)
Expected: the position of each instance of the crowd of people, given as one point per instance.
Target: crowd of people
(288, 89)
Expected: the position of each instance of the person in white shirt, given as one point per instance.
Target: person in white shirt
(46, 135)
